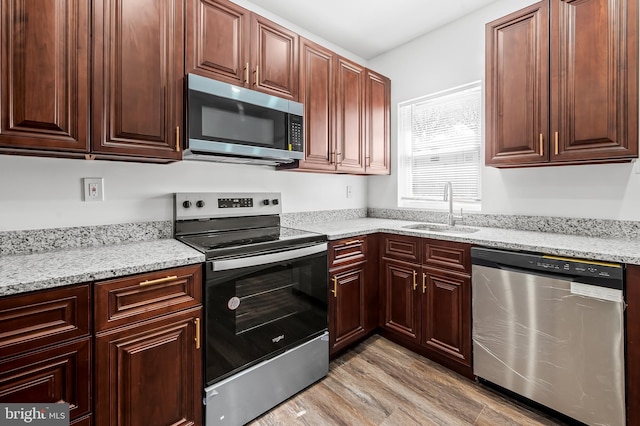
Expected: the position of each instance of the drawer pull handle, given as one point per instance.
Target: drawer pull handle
(348, 243)
(335, 286)
(159, 280)
(415, 283)
(197, 339)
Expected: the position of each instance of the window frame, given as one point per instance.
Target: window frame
(404, 198)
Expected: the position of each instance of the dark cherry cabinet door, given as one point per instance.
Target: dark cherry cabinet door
(218, 41)
(401, 299)
(50, 375)
(517, 88)
(594, 79)
(317, 84)
(378, 124)
(274, 54)
(446, 314)
(138, 77)
(632, 313)
(350, 117)
(44, 75)
(150, 373)
(348, 306)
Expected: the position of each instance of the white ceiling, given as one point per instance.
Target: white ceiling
(369, 28)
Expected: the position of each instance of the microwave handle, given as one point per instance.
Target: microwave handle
(282, 256)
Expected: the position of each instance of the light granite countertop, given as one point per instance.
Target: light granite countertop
(28, 272)
(623, 250)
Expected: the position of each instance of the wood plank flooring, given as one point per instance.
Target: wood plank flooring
(380, 383)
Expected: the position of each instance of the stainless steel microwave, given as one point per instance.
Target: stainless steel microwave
(233, 124)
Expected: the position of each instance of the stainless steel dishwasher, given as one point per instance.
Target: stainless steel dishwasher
(552, 330)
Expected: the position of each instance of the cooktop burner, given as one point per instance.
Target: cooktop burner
(235, 224)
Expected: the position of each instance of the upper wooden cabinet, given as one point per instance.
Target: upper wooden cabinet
(138, 77)
(347, 114)
(44, 75)
(229, 43)
(562, 84)
(377, 149)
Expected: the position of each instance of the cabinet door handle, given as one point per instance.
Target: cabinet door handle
(335, 286)
(177, 138)
(556, 137)
(541, 146)
(257, 78)
(415, 282)
(246, 73)
(159, 280)
(424, 283)
(197, 339)
(339, 154)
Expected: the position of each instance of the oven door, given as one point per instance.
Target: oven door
(259, 306)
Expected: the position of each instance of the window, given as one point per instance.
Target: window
(439, 141)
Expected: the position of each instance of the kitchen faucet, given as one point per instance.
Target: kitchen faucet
(448, 196)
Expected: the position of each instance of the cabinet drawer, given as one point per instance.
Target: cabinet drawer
(46, 317)
(448, 255)
(125, 300)
(59, 373)
(401, 247)
(348, 250)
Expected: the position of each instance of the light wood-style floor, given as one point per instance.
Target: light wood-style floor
(381, 383)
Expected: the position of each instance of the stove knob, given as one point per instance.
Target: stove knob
(186, 204)
(199, 203)
(265, 202)
(275, 202)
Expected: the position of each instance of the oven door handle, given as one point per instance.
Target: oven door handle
(281, 256)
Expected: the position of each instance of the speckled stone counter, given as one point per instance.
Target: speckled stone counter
(28, 272)
(624, 250)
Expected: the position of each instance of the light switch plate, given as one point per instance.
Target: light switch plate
(93, 189)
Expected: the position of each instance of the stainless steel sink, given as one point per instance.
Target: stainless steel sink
(435, 227)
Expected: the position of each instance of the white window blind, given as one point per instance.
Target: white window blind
(439, 138)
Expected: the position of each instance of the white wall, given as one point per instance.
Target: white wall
(454, 55)
(47, 193)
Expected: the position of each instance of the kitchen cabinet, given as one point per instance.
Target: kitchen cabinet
(632, 312)
(377, 154)
(148, 344)
(426, 298)
(229, 43)
(347, 114)
(45, 348)
(138, 78)
(44, 76)
(562, 84)
(353, 298)
(350, 117)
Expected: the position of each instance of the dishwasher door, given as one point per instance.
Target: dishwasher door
(553, 340)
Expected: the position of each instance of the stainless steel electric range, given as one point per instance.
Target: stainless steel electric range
(265, 302)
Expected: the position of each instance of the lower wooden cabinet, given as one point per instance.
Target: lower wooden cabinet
(427, 308)
(353, 291)
(45, 348)
(50, 375)
(446, 315)
(150, 373)
(400, 300)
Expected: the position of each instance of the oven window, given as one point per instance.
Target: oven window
(257, 312)
(228, 120)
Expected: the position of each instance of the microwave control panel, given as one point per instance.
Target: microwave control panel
(296, 133)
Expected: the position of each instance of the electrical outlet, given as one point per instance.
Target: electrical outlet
(93, 189)
(349, 191)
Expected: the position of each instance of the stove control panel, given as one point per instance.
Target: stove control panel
(208, 205)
